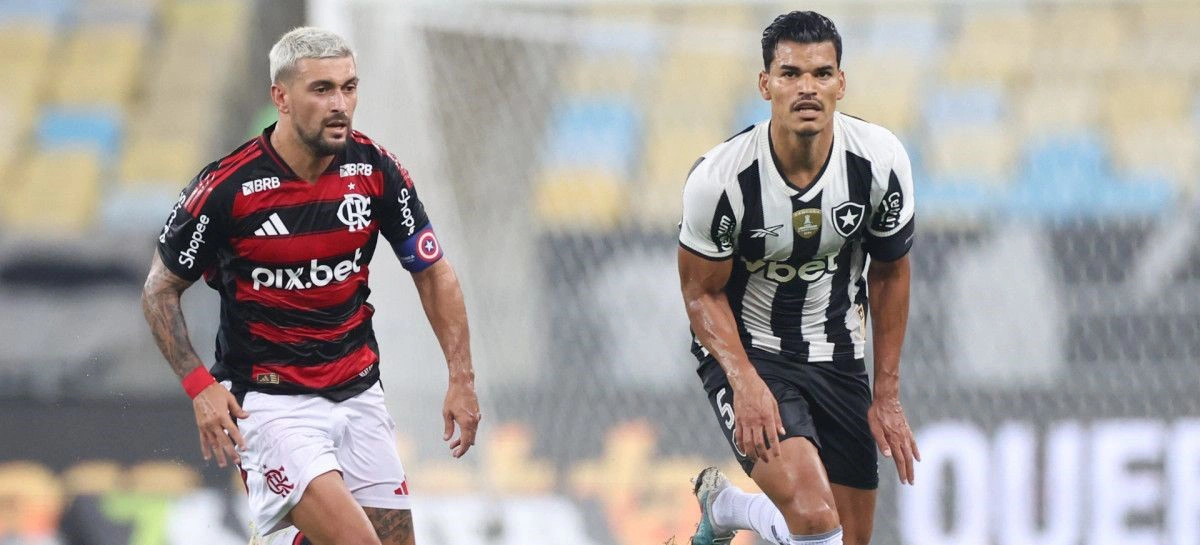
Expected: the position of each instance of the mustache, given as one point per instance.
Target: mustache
(343, 118)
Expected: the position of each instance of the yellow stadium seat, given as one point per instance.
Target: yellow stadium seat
(1166, 147)
(1081, 39)
(605, 75)
(159, 160)
(25, 42)
(993, 45)
(980, 154)
(672, 150)
(32, 499)
(93, 477)
(99, 66)
(1134, 101)
(165, 478)
(580, 199)
(883, 90)
(1048, 107)
(1171, 19)
(55, 193)
(219, 20)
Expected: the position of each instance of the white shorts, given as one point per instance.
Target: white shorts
(292, 439)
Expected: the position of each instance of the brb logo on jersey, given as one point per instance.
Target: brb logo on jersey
(355, 169)
(783, 273)
(261, 184)
(315, 275)
(355, 211)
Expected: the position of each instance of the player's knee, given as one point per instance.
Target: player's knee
(810, 516)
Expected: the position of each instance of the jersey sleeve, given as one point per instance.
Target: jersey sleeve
(403, 220)
(709, 225)
(890, 235)
(195, 229)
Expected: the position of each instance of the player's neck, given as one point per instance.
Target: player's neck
(298, 156)
(800, 158)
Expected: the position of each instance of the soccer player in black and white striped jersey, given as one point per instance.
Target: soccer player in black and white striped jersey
(780, 223)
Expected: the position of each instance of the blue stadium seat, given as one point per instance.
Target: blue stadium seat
(1069, 177)
(942, 198)
(984, 104)
(915, 34)
(1068, 159)
(47, 12)
(594, 132)
(749, 112)
(91, 128)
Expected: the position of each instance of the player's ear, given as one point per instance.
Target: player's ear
(279, 97)
(841, 84)
(762, 85)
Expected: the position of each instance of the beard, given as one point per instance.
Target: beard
(321, 147)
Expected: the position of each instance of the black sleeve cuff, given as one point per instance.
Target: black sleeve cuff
(892, 247)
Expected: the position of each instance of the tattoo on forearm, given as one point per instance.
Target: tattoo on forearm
(393, 526)
(160, 304)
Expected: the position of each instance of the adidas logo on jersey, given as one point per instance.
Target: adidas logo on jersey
(272, 227)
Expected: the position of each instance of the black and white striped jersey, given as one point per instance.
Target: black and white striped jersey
(798, 286)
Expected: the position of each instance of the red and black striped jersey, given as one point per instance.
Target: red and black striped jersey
(290, 261)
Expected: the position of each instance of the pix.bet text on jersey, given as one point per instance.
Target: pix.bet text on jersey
(290, 261)
(797, 286)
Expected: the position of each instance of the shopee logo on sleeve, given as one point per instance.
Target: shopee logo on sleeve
(315, 275)
(261, 184)
(187, 257)
(406, 211)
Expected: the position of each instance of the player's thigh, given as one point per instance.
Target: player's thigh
(797, 485)
(856, 509)
(840, 395)
(393, 526)
(793, 409)
(328, 514)
(368, 456)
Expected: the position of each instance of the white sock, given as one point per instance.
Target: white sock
(832, 537)
(734, 509)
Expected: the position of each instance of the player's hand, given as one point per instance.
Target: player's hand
(894, 437)
(219, 436)
(757, 425)
(461, 407)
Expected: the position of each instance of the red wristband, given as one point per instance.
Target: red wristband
(197, 380)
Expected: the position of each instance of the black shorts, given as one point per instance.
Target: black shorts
(826, 402)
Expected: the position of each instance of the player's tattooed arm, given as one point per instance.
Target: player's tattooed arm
(160, 305)
(393, 526)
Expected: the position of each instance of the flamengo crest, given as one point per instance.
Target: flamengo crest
(355, 211)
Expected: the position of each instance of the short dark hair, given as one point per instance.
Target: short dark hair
(805, 27)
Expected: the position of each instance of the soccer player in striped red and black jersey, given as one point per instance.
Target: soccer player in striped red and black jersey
(284, 228)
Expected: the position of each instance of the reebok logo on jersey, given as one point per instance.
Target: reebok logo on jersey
(772, 231)
(783, 273)
(315, 275)
(272, 227)
(261, 184)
